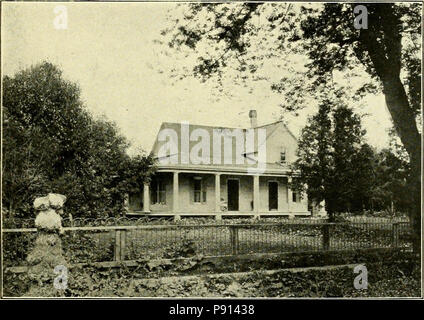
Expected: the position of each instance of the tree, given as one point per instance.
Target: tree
(366, 181)
(331, 158)
(51, 143)
(346, 142)
(388, 51)
(314, 161)
(380, 49)
(391, 191)
(23, 172)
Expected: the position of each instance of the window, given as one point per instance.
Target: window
(199, 191)
(158, 193)
(283, 155)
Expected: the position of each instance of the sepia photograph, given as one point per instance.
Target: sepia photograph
(211, 150)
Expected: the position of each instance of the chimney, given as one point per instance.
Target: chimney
(253, 119)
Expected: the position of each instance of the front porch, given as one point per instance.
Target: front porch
(180, 193)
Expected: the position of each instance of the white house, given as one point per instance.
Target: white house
(205, 170)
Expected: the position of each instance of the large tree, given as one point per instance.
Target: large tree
(389, 51)
(241, 38)
(347, 140)
(333, 160)
(314, 160)
(51, 143)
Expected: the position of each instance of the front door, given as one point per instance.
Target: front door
(233, 195)
(273, 196)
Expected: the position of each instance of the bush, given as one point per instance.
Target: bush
(53, 144)
(391, 273)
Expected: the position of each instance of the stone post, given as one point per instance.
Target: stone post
(47, 271)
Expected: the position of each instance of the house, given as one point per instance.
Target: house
(205, 170)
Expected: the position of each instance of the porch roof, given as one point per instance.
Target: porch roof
(273, 169)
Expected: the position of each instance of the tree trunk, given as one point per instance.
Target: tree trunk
(386, 59)
(404, 121)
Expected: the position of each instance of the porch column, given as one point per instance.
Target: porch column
(175, 201)
(217, 192)
(289, 194)
(146, 197)
(256, 203)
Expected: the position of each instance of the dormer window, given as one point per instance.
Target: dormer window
(283, 155)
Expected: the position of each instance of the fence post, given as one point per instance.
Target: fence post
(117, 245)
(395, 234)
(123, 244)
(326, 236)
(120, 239)
(234, 240)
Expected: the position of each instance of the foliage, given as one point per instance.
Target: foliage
(84, 247)
(338, 166)
(16, 247)
(333, 160)
(186, 247)
(51, 143)
(333, 42)
(392, 192)
(315, 163)
(390, 274)
(388, 49)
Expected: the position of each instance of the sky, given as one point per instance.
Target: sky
(109, 49)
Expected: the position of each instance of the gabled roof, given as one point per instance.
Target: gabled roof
(275, 123)
(270, 128)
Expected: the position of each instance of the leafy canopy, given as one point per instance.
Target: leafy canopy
(51, 143)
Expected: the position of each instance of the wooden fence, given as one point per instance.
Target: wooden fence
(116, 244)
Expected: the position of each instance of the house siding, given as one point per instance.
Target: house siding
(186, 195)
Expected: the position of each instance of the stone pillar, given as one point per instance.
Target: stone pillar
(256, 199)
(48, 272)
(175, 197)
(146, 197)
